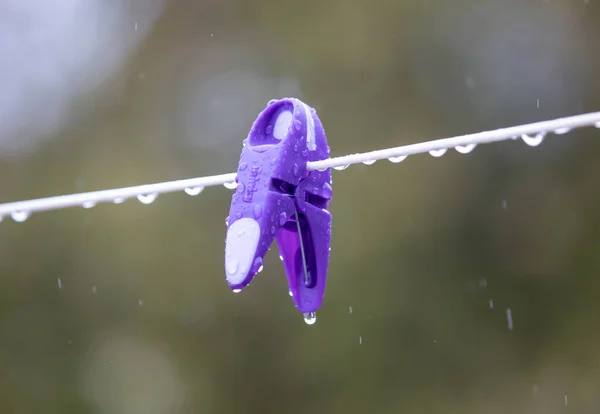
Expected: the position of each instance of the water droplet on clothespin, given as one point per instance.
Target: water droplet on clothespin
(282, 219)
(243, 165)
(147, 198)
(534, 141)
(370, 162)
(258, 211)
(438, 152)
(310, 318)
(465, 149)
(339, 167)
(230, 186)
(88, 204)
(119, 200)
(193, 191)
(227, 221)
(296, 170)
(290, 293)
(19, 216)
(241, 187)
(396, 160)
(59, 283)
(281, 258)
(561, 131)
(260, 269)
(232, 266)
(236, 290)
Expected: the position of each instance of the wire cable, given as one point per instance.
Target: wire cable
(532, 134)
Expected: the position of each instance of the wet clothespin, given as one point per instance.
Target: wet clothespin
(277, 198)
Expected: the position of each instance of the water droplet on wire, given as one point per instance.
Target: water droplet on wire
(193, 191)
(310, 318)
(437, 152)
(465, 149)
(340, 167)
(88, 204)
(236, 290)
(370, 162)
(118, 200)
(396, 160)
(19, 216)
(230, 186)
(533, 141)
(561, 131)
(147, 198)
(597, 124)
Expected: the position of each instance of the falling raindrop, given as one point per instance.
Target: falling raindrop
(147, 198)
(118, 200)
(193, 191)
(509, 319)
(230, 186)
(566, 400)
(350, 309)
(140, 302)
(19, 216)
(1, 218)
(94, 289)
(88, 204)
(59, 283)
(465, 149)
(437, 152)
(360, 340)
(310, 318)
(339, 167)
(504, 205)
(236, 290)
(396, 160)
(370, 162)
(491, 304)
(561, 131)
(535, 140)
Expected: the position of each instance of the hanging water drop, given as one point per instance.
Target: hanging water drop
(339, 167)
(396, 160)
(465, 149)
(310, 318)
(193, 191)
(19, 216)
(370, 162)
(291, 293)
(230, 186)
(260, 269)
(88, 204)
(147, 198)
(561, 131)
(597, 124)
(118, 200)
(236, 290)
(535, 140)
(438, 152)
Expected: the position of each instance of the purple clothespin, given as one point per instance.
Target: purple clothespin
(277, 198)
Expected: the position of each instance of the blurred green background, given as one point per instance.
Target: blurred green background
(428, 256)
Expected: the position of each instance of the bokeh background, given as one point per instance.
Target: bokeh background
(124, 308)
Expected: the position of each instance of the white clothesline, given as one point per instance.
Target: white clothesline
(532, 134)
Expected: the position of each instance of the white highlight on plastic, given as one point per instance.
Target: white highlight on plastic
(396, 154)
(240, 247)
(282, 125)
(311, 140)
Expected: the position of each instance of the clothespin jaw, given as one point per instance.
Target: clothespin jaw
(277, 198)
